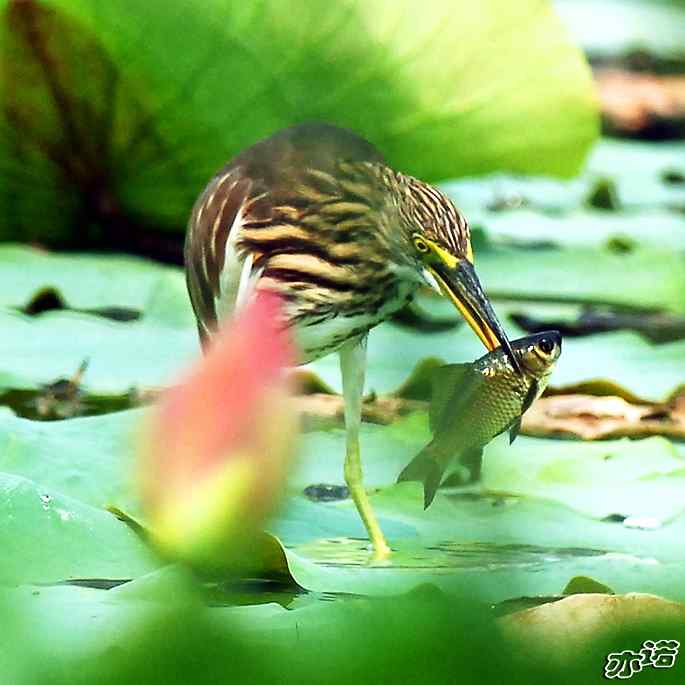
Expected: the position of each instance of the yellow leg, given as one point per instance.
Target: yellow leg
(353, 367)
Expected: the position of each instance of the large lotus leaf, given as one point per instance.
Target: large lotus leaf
(142, 102)
(55, 480)
(641, 478)
(86, 459)
(518, 538)
(62, 473)
(639, 170)
(79, 636)
(548, 211)
(48, 537)
(96, 283)
(83, 281)
(584, 228)
(121, 356)
(68, 634)
(639, 278)
(526, 545)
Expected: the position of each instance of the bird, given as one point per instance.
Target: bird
(314, 214)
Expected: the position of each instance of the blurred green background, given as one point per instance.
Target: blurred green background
(556, 127)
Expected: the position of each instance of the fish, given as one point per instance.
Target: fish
(473, 403)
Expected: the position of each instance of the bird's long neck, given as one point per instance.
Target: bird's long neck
(390, 196)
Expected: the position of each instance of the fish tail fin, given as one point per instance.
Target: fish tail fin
(426, 469)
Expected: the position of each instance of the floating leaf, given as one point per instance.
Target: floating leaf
(640, 478)
(71, 539)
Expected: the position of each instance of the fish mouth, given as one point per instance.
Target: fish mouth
(461, 286)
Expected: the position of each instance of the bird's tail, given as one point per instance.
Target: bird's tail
(426, 468)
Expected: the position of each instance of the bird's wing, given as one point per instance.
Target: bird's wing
(212, 263)
(262, 189)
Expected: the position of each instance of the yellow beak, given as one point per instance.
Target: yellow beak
(461, 286)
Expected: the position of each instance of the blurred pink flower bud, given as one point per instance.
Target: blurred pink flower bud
(215, 452)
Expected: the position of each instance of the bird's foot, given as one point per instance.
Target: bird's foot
(380, 551)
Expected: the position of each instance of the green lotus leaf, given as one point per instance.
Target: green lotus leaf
(143, 102)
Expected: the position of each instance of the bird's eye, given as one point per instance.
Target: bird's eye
(421, 245)
(546, 345)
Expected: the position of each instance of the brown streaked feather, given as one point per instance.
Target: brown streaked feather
(278, 161)
(281, 188)
(328, 226)
(208, 229)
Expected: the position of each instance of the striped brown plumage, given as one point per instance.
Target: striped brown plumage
(326, 223)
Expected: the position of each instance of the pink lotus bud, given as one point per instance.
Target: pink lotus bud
(215, 452)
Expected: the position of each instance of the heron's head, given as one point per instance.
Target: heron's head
(439, 239)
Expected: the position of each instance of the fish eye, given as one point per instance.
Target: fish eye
(420, 244)
(546, 345)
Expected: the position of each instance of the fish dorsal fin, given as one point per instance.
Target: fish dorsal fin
(445, 382)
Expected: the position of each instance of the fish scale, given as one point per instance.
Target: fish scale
(473, 403)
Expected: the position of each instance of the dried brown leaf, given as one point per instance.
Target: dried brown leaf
(593, 418)
(559, 632)
(633, 102)
(587, 417)
(383, 410)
